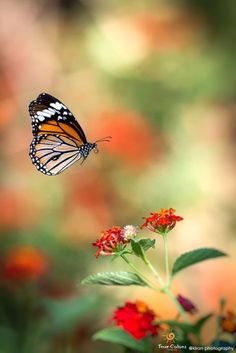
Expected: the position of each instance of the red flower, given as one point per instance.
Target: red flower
(228, 322)
(136, 319)
(111, 241)
(162, 221)
(24, 263)
(186, 304)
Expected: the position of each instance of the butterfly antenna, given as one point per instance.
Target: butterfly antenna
(104, 139)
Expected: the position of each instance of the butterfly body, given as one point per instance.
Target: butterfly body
(58, 139)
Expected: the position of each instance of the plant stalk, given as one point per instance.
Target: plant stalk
(140, 274)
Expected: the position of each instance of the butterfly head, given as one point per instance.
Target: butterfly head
(104, 139)
(95, 148)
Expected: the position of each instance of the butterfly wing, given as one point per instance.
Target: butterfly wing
(50, 116)
(52, 154)
(58, 139)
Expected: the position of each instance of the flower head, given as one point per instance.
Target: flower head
(110, 242)
(186, 304)
(228, 322)
(129, 232)
(24, 263)
(136, 319)
(162, 221)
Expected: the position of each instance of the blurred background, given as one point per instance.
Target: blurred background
(159, 77)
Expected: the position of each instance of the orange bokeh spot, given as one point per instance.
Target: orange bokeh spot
(132, 138)
(24, 263)
(17, 209)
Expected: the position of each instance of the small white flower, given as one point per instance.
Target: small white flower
(129, 232)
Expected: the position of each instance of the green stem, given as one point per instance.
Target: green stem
(165, 288)
(172, 297)
(154, 271)
(164, 235)
(218, 320)
(146, 280)
(198, 339)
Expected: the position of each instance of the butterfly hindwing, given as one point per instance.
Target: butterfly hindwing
(52, 154)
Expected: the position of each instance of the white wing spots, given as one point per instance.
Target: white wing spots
(41, 118)
(44, 114)
(49, 111)
(57, 105)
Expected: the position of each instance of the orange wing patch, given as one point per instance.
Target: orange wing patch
(54, 127)
(69, 130)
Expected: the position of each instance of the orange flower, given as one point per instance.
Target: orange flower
(228, 322)
(24, 263)
(162, 221)
(111, 241)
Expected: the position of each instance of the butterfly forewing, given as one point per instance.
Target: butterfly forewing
(49, 115)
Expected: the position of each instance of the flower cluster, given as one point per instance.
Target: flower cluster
(136, 319)
(162, 221)
(186, 304)
(114, 240)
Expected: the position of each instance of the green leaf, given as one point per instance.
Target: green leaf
(186, 327)
(117, 335)
(140, 246)
(137, 249)
(201, 322)
(120, 278)
(146, 244)
(192, 257)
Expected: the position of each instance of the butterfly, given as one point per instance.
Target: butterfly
(58, 139)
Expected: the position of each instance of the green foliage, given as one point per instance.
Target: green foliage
(120, 278)
(117, 335)
(198, 325)
(186, 327)
(137, 249)
(8, 339)
(140, 246)
(66, 314)
(147, 244)
(192, 257)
